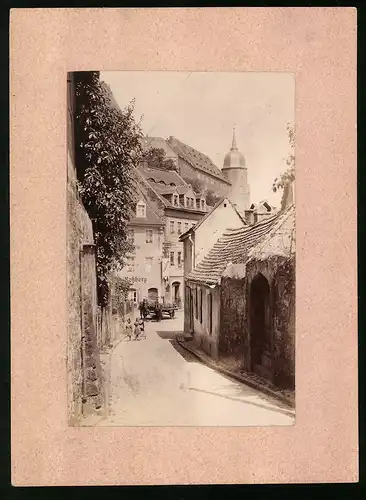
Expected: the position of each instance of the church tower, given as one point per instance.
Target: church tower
(235, 171)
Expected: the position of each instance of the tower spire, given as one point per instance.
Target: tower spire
(233, 146)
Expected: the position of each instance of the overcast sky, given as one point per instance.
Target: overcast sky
(201, 110)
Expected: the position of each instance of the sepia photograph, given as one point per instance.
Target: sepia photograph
(181, 248)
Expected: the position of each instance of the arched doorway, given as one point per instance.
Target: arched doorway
(152, 294)
(176, 293)
(260, 327)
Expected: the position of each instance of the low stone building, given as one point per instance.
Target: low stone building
(240, 305)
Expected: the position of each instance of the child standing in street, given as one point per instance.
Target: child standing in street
(142, 327)
(129, 329)
(137, 330)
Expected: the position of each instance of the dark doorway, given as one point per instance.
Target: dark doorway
(152, 294)
(176, 293)
(260, 327)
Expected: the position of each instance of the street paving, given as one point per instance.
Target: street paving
(156, 382)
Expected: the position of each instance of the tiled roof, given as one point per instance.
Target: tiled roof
(162, 190)
(167, 176)
(197, 159)
(150, 220)
(240, 245)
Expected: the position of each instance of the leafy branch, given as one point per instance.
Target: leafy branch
(107, 148)
(285, 180)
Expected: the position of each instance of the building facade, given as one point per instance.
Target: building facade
(180, 208)
(201, 237)
(143, 268)
(193, 164)
(240, 299)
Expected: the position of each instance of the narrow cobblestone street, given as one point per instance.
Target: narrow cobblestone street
(156, 382)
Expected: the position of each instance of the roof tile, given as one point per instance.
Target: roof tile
(240, 245)
(197, 159)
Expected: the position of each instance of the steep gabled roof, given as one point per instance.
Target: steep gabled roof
(160, 190)
(197, 159)
(167, 176)
(151, 219)
(240, 245)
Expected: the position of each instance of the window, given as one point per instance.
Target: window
(172, 226)
(186, 226)
(192, 202)
(210, 313)
(172, 259)
(175, 200)
(141, 210)
(179, 259)
(198, 203)
(148, 263)
(201, 305)
(202, 204)
(149, 235)
(131, 236)
(179, 227)
(130, 264)
(196, 303)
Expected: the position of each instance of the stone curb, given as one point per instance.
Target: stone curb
(239, 378)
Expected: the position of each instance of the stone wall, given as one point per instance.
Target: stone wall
(235, 329)
(79, 233)
(83, 364)
(233, 343)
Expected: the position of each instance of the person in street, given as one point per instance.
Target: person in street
(159, 312)
(137, 330)
(129, 329)
(142, 308)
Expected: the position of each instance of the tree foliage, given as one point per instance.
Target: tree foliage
(196, 184)
(285, 180)
(212, 198)
(107, 148)
(156, 158)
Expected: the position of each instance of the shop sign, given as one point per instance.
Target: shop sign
(136, 279)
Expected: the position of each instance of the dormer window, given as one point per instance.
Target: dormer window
(172, 184)
(141, 209)
(162, 182)
(202, 204)
(175, 200)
